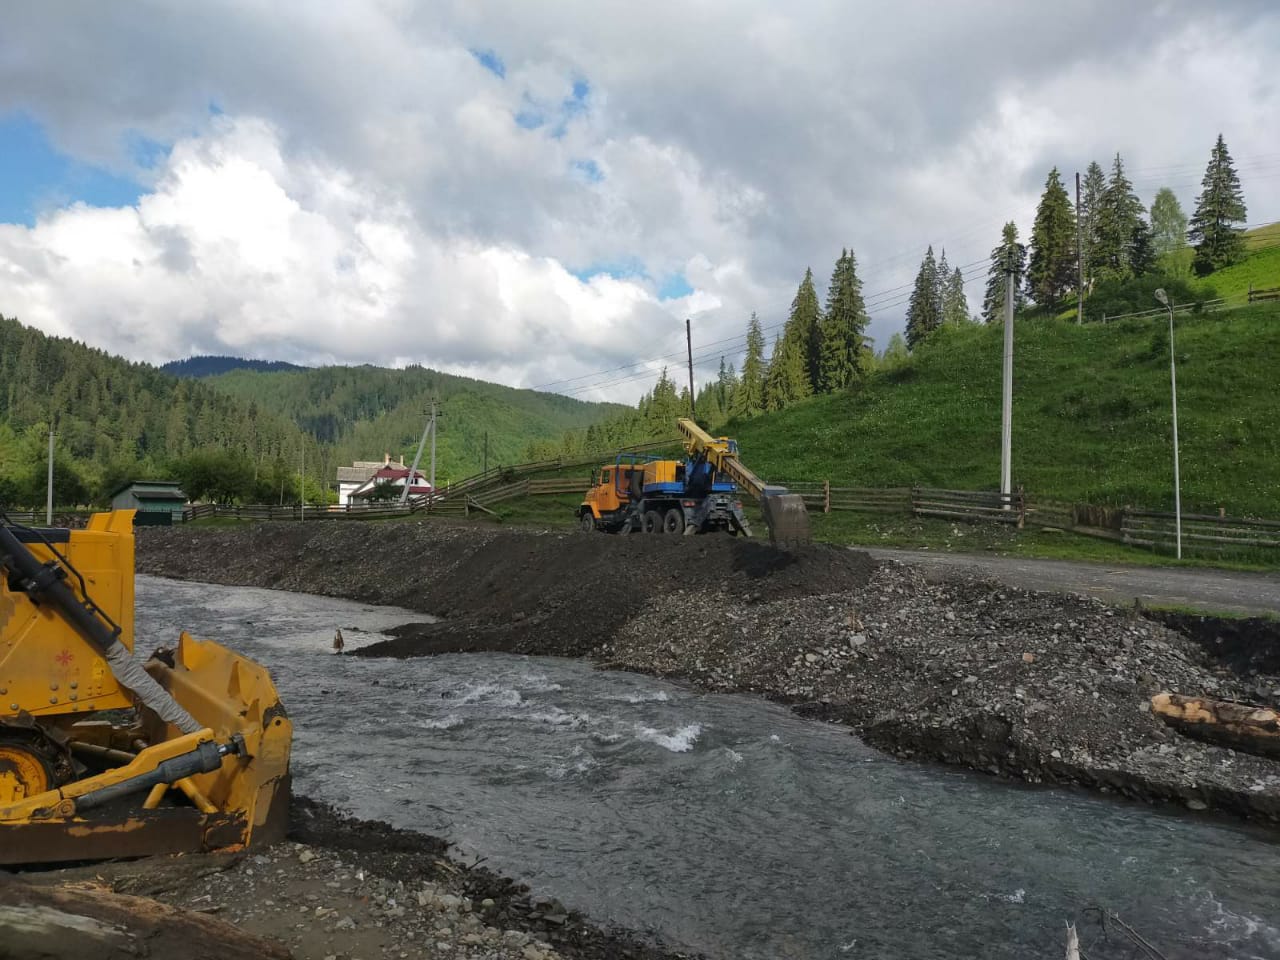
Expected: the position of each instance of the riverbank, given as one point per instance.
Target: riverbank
(1032, 686)
(338, 889)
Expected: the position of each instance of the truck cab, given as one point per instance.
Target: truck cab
(637, 494)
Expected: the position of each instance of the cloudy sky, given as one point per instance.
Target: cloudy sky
(539, 193)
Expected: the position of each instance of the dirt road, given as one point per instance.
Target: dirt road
(1225, 591)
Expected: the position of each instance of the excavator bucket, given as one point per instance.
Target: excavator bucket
(102, 756)
(787, 518)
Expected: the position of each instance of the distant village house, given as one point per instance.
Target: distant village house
(364, 478)
(158, 502)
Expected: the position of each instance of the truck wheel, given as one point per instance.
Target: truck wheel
(652, 521)
(673, 522)
(588, 523)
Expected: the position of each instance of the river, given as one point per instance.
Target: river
(722, 823)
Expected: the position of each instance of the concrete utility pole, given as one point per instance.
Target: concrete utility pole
(433, 448)
(1079, 259)
(1006, 424)
(688, 336)
(430, 430)
(48, 507)
(1173, 387)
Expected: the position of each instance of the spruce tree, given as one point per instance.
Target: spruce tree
(787, 380)
(1009, 251)
(1052, 267)
(924, 311)
(803, 331)
(1093, 189)
(1117, 222)
(748, 398)
(1142, 256)
(843, 324)
(1219, 206)
(955, 305)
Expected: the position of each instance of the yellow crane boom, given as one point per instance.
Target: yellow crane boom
(784, 513)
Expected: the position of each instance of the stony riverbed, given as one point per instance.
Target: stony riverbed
(1035, 686)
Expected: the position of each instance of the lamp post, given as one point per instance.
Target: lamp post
(1173, 387)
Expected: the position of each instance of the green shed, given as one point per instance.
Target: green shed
(158, 502)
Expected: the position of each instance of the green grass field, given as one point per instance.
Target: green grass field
(1091, 416)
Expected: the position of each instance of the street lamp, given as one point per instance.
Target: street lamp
(1173, 386)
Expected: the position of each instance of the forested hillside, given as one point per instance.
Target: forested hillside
(208, 366)
(363, 412)
(243, 435)
(115, 420)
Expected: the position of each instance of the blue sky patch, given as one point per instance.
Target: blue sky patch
(37, 177)
(530, 119)
(587, 170)
(491, 62)
(626, 269)
(673, 287)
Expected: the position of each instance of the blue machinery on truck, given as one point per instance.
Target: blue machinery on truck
(696, 495)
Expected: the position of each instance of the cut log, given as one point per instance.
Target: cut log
(73, 921)
(1242, 726)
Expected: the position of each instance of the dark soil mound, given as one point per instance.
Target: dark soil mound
(517, 590)
(1249, 645)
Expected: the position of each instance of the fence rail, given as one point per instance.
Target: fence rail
(1270, 293)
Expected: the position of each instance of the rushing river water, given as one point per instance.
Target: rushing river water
(722, 823)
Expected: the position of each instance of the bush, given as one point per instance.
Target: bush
(1116, 297)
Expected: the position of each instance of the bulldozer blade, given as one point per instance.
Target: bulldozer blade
(787, 518)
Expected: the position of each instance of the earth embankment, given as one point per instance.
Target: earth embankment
(1033, 686)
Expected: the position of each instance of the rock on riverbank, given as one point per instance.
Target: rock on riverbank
(341, 889)
(1035, 686)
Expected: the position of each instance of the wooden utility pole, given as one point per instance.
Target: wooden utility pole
(1079, 258)
(486, 451)
(688, 336)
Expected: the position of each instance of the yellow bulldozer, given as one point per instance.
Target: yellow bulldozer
(102, 755)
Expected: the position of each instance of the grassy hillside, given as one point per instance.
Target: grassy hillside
(1091, 415)
(367, 411)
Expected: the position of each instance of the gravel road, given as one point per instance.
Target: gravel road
(1225, 591)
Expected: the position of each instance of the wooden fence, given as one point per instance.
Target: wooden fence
(820, 495)
(1201, 533)
(1258, 296)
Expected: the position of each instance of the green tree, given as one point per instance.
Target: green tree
(1168, 232)
(1092, 190)
(924, 310)
(803, 332)
(1142, 256)
(955, 305)
(1118, 219)
(748, 398)
(1052, 266)
(895, 353)
(843, 325)
(1219, 207)
(1010, 252)
(787, 380)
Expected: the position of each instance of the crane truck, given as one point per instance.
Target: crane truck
(102, 755)
(699, 494)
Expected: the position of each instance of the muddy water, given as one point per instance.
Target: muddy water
(723, 823)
